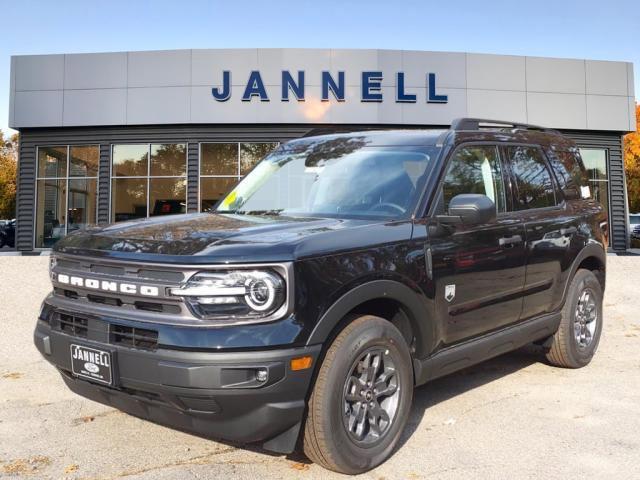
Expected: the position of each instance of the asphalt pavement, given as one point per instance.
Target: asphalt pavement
(509, 418)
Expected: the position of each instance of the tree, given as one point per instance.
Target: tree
(632, 165)
(8, 181)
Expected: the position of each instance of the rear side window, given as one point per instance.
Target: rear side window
(534, 187)
(569, 170)
(475, 169)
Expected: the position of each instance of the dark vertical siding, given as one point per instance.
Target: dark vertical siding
(26, 194)
(106, 136)
(104, 186)
(618, 214)
(193, 171)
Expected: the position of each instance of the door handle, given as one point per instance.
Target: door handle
(510, 241)
(568, 231)
(429, 262)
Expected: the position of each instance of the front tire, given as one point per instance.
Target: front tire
(361, 399)
(578, 335)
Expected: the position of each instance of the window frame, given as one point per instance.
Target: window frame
(506, 178)
(560, 201)
(66, 179)
(238, 175)
(148, 176)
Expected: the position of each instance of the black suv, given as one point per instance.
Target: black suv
(342, 272)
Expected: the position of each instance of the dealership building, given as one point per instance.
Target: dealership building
(107, 137)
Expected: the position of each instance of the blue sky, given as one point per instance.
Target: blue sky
(605, 30)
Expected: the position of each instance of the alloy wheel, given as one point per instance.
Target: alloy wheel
(371, 396)
(585, 318)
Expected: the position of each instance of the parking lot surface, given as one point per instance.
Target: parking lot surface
(510, 418)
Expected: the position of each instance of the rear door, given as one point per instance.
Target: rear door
(551, 226)
(478, 270)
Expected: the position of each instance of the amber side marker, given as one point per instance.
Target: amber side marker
(301, 363)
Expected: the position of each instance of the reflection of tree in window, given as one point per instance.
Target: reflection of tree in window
(334, 148)
(219, 159)
(169, 159)
(252, 153)
(84, 161)
(535, 188)
(164, 195)
(569, 170)
(475, 170)
(130, 160)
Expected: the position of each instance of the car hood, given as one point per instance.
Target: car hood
(214, 238)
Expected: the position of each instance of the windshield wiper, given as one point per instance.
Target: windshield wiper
(275, 212)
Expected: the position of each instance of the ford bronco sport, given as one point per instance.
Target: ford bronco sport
(343, 271)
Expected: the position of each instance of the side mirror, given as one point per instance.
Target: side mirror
(469, 208)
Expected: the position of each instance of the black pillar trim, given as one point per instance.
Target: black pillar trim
(193, 172)
(104, 174)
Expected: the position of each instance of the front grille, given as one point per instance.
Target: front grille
(132, 337)
(105, 332)
(73, 325)
(116, 302)
(157, 307)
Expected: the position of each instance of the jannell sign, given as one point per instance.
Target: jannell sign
(290, 86)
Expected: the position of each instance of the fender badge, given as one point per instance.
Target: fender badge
(449, 292)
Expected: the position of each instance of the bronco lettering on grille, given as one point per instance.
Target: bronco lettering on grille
(109, 286)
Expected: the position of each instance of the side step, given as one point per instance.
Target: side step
(479, 349)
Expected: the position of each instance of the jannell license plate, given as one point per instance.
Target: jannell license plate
(91, 363)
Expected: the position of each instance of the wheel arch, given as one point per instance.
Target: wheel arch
(388, 299)
(592, 257)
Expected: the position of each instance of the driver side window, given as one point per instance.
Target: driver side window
(475, 169)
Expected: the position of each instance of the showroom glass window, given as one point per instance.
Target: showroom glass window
(66, 191)
(148, 180)
(222, 165)
(595, 162)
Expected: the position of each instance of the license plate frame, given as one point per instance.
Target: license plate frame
(93, 364)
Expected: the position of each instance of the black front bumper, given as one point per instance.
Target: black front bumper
(213, 394)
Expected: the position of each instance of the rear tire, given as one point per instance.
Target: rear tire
(578, 335)
(361, 399)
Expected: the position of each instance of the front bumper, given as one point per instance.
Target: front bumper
(213, 394)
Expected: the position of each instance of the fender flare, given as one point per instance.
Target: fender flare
(590, 250)
(373, 290)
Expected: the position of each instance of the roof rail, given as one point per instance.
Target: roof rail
(478, 123)
(335, 129)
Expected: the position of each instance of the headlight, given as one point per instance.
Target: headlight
(234, 294)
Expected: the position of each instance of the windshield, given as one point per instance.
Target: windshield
(339, 177)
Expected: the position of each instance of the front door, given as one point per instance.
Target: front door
(478, 270)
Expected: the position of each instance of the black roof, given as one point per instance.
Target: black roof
(462, 130)
(381, 137)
